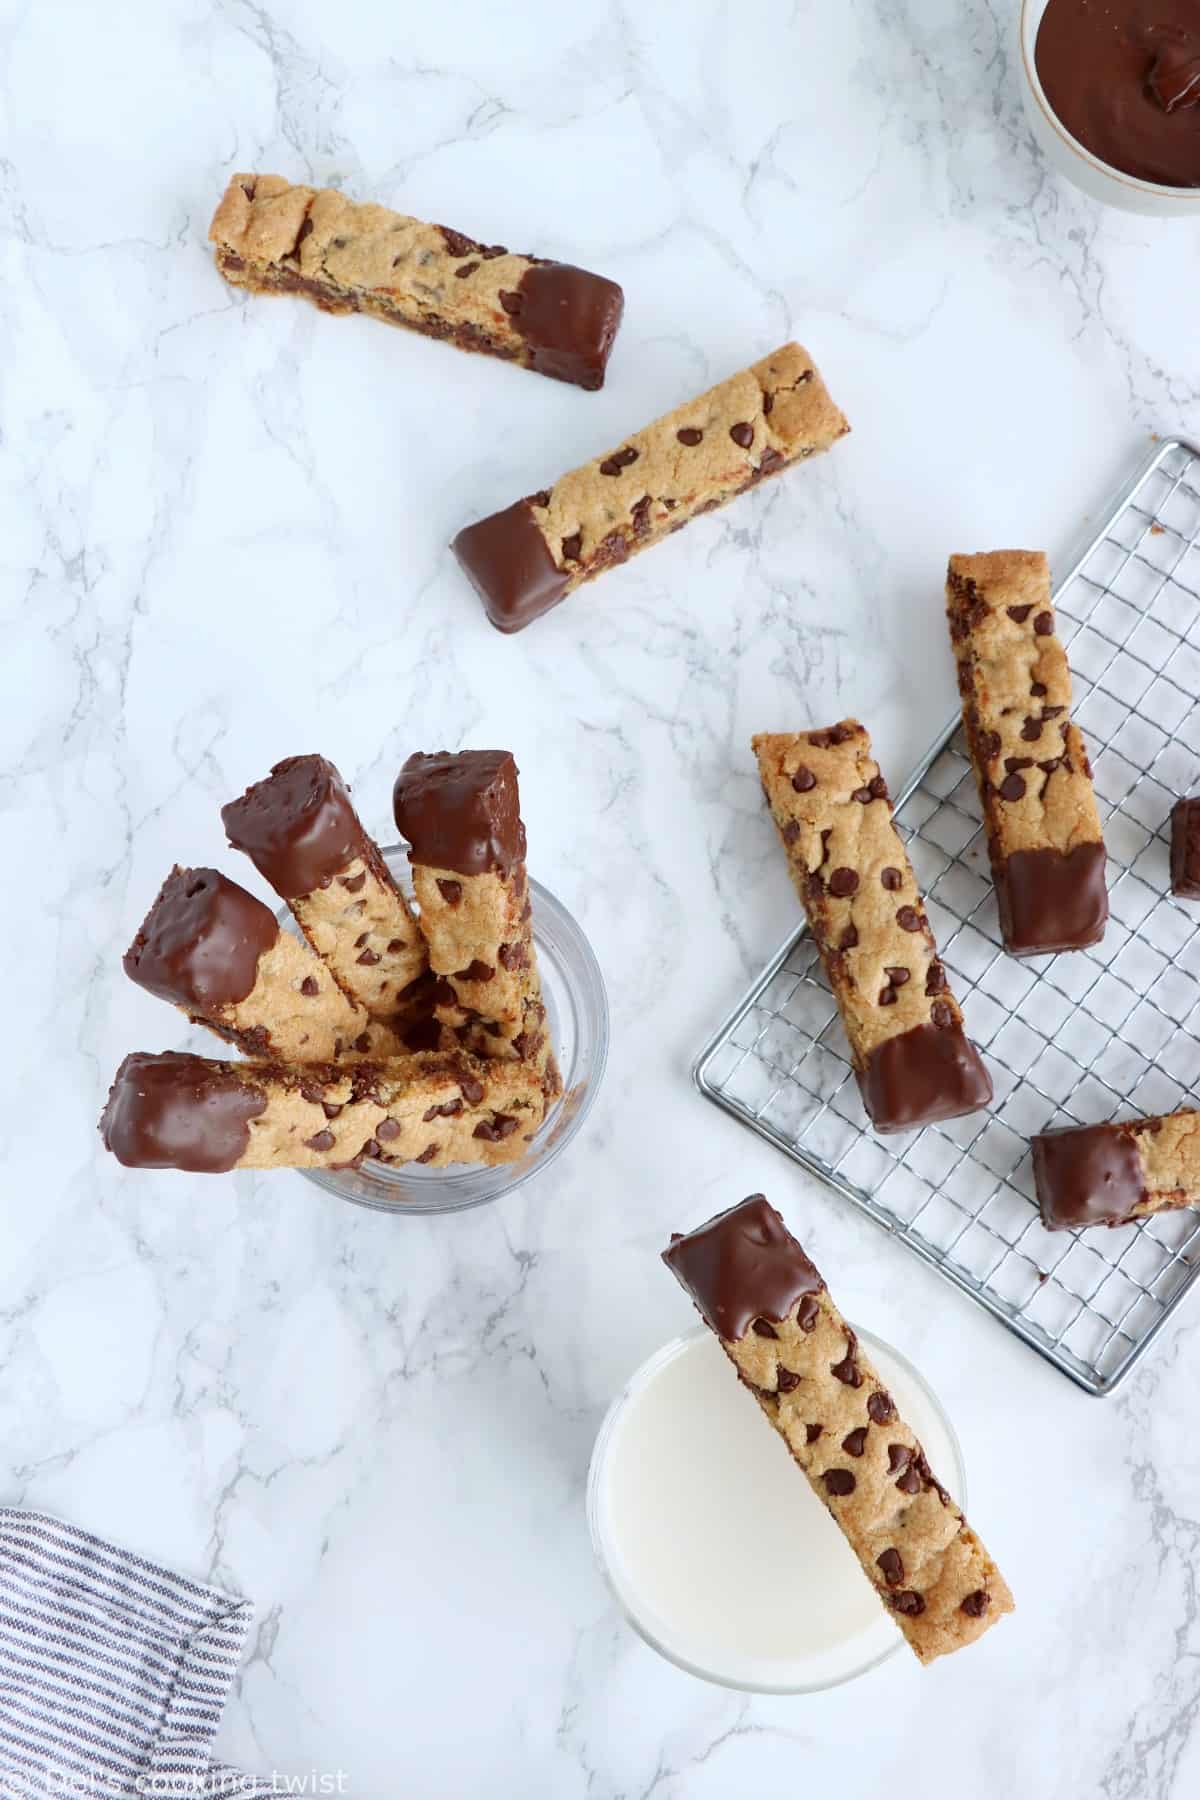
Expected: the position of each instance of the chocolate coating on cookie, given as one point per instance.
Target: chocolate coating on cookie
(569, 318)
(929, 1073)
(178, 1112)
(200, 944)
(461, 810)
(1089, 1175)
(298, 827)
(742, 1266)
(506, 559)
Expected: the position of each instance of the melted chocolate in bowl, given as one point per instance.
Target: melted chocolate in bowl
(1123, 76)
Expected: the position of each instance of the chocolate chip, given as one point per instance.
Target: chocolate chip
(1015, 763)
(475, 971)
(514, 956)
(463, 270)
(909, 1603)
(472, 1090)
(451, 892)
(1031, 730)
(808, 1312)
(1044, 624)
(763, 1328)
(899, 1457)
(742, 435)
(387, 1129)
(791, 832)
(488, 251)
(495, 1130)
(363, 1042)
(935, 980)
(512, 303)
(891, 879)
(449, 1109)
(1049, 767)
(849, 938)
(990, 745)
(848, 1370)
(785, 1380)
(941, 1015)
(1012, 787)
(843, 882)
(310, 986)
(909, 919)
(855, 1442)
(812, 1433)
(368, 958)
(909, 1482)
(839, 1482)
(444, 994)
(1038, 688)
(352, 883)
(542, 498)
(394, 945)
(1019, 613)
(891, 1563)
(803, 780)
(897, 977)
(768, 404)
(863, 795)
(324, 1140)
(456, 242)
(976, 1604)
(640, 515)
(887, 996)
(571, 546)
(620, 459)
(689, 435)
(427, 1155)
(1053, 712)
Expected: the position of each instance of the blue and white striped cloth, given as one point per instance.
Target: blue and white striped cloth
(113, 1671)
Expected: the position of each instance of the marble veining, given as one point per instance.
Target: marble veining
(224, 539)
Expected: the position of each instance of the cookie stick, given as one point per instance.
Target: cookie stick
(273, 237)
(527, 558)
(218, 954)
(1031, 767)
(177, 1111)
(300, 830)
(1116, 1173)
(755, 1288)
(913, 1061)
(460, 812)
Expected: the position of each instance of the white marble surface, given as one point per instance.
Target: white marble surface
(223, 531)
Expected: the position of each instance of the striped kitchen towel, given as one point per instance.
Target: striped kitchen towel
(113, 1671)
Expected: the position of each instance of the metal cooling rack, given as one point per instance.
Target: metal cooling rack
(1070, 1039)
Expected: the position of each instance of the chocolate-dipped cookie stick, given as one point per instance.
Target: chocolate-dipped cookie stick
(524, 560)
(1115, 1173)
(218, 954)
(754, 1286)
(460, 812)
(176, 1111)
(300, 830)
(912, 1058)
(272, 237)
(1031, 767)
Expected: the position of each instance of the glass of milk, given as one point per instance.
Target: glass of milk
(717, 1551)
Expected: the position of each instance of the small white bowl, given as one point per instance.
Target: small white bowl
(1065, 153)
(706, 1495)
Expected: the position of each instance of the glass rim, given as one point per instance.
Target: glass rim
(640, 1377)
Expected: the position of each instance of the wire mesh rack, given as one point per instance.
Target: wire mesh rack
(1069, 1039)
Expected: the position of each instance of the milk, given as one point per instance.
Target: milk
(717, 1548)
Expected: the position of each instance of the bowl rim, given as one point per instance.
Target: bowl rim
(566, 1129)
(598, 1460)
(1028, 44)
